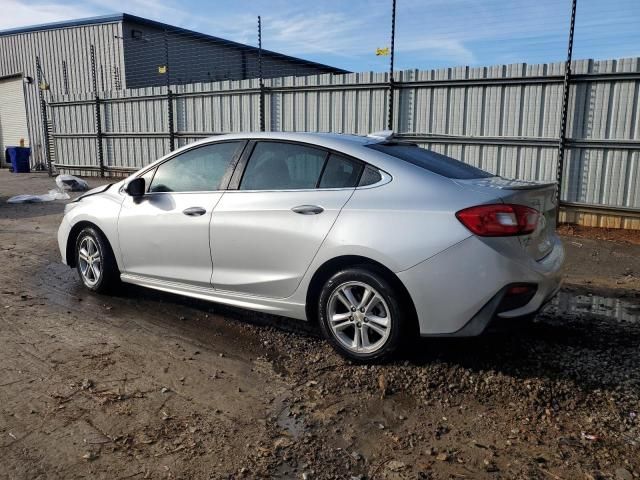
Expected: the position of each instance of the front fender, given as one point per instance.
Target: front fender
(101, 210)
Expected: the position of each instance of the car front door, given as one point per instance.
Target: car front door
(165, 234)
(267, 231)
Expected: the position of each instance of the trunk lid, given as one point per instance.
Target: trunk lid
(538, 195)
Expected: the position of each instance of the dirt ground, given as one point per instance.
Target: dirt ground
(152, 385)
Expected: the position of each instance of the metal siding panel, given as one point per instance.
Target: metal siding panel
(602, 109)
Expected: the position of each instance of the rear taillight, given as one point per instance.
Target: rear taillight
(499, 220)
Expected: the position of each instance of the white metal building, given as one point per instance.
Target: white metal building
(128, 53)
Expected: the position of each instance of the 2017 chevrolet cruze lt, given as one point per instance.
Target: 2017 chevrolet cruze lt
(375, 239)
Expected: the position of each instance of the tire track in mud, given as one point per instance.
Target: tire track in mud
(196, 349)
(559, 400)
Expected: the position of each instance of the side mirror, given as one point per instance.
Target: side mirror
(136, 187)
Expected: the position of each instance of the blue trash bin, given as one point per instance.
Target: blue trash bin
(19, 159)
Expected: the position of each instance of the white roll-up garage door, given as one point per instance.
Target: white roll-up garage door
(13, 115)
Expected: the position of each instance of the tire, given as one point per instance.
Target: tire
(350, 331)
(95, 261)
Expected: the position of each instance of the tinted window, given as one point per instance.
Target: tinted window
(369, 176)
(282, 166)
(432, 161)
(199, 170)
(340, 172)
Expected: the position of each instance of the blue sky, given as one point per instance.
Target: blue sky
(430, 33)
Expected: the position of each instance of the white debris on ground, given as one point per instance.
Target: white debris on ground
(64, 183)
(70, 182)
(54, 194)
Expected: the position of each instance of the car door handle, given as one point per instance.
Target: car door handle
(308, 209)
(194, 211)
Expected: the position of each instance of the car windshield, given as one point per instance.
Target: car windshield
(432, 161)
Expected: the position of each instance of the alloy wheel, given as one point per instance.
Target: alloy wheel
(359, 317)
(90, 261)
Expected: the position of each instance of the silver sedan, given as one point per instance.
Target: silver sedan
(375, 239)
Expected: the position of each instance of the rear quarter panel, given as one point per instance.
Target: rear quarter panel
(399, 224)
(403, 222)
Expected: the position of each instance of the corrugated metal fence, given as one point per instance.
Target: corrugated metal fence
(504, 119)
(63, 54)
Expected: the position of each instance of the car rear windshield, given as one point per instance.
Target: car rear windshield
(432, 161)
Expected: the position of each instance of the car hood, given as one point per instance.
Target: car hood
(94, 191)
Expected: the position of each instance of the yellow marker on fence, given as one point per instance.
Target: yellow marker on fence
(382, 52)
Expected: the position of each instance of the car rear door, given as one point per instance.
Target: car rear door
(165, 234)
(265, 233)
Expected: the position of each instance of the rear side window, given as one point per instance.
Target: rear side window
(370, 176)
(340, 172)
(199, 170)
(432, 161)
(283, 166)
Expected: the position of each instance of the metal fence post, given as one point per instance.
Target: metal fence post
(98, 115)
(172, 133)
(43, 113)
(565, 110)
(391, 79)
(262, 122)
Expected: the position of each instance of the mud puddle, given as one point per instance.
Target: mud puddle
(619, 309)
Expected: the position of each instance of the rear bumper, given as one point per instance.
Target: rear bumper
(459, 291)
(487, 315)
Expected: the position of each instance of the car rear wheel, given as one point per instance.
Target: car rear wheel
(360, 315)
(95, 261)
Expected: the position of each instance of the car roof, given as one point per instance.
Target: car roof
(335, 141)
(348, 144)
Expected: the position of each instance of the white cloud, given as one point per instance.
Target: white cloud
(438, 48)
(26, 13)
(333, 33)
(32, 13)
(165, 11)
(294, 30)
(347, 33)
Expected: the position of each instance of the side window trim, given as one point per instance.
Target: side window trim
(153, 174)
(226, 178)
(327, 154)
(241, 166)
(238, 173)
(362, 165)
(384, 178)
(238, 165)
(257, 141)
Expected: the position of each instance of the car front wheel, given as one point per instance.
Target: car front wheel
(95, 261)
(360, 315)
